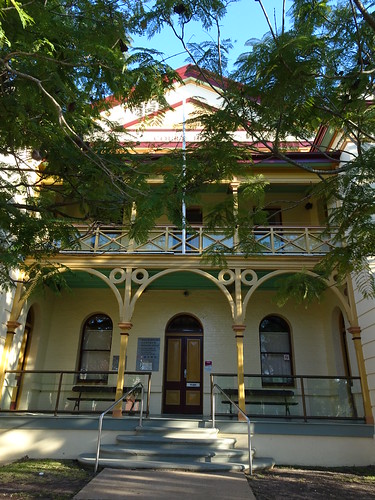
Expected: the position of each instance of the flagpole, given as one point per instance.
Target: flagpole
(183, 177)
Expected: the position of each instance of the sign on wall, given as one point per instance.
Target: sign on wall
(208, 366)
(148, 352)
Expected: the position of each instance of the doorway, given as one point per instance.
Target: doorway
(183, 366)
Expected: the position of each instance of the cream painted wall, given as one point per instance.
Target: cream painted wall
(366, 319)
(293, 212)
(57, 335)
(327, 451)
(312, 340)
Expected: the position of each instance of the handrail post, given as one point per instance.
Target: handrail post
(307, 240)
(166, 243)
(98, 442)
(303, 399)
(148, 394)
(101, 417)
(212, 388)
(141, 412)
(58, 394)
(215, 386)
(213, 410)
(272, 240)
(96, 240)
(249, 445)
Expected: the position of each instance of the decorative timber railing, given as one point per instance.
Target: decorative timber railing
(275, 240)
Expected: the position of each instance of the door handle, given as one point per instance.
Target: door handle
(185, 373)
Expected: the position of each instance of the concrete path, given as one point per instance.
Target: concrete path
(155, 484)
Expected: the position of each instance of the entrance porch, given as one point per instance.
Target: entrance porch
(288, 442)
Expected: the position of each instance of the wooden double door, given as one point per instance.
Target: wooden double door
(183, 370)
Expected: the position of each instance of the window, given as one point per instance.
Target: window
(96, 348)
(274, 216)
(275, 351)
(194, 215)
(184, 323)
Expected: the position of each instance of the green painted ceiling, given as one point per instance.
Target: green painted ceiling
(181, 280)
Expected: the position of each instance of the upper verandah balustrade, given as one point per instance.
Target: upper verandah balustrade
(274, 240)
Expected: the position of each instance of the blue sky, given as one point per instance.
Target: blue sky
(244, 20)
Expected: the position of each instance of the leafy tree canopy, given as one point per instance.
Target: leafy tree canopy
(59, 59)
(315, 71)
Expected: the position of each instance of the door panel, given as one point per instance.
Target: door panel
(193, 360)
(174, 360)
(183, 374)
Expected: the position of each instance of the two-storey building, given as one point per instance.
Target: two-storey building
(157, 311)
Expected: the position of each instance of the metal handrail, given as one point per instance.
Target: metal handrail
(215, 386)
(301, 379)
(101, 417)
(62, 373)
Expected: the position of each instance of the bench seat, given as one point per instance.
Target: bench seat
(263, 397)
(99, 393)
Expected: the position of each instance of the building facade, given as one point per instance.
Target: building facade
(179, 323)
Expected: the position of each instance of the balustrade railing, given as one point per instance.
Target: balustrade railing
(57, 392)
(274, 240)
(304, 397)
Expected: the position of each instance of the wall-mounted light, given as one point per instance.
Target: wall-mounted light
(186, 293)
(308, 205)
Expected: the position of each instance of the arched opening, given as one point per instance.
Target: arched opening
(22, 360)
(275, 351)
(183, 366)
(95, 348)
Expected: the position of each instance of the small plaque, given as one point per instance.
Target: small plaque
(148, 352)
(193, 384)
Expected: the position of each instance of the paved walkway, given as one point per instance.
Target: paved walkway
(155, 484)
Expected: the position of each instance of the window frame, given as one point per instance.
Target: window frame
(82, 377)
(278, 380)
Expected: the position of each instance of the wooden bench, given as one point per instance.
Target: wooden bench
(98, 393)
(263, 397)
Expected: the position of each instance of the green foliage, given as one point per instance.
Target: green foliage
(351, 219)
(319, 72)
(301, 288)
(59, 61)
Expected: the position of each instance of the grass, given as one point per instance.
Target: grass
(48, 479)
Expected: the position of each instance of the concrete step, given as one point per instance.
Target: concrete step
(89, 459)
(182, 440)
(258, 464)
(178, 447)
(194, 453)
(177, 423)
(178, 431)
(261, 463)
(150, 453)
(233, 455)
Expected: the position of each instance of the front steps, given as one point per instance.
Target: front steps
(180, 445)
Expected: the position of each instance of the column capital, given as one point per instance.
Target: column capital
(238, 330)
(12, 326)
(125, 327)
(234, 185)
(355, 331)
